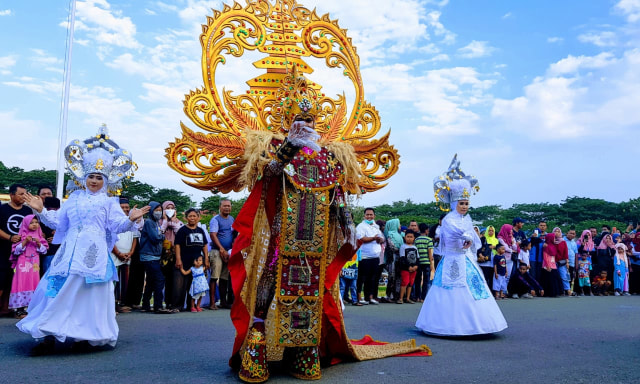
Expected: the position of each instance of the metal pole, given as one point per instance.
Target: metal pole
(62, 134)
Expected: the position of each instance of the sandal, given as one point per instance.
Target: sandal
(411, 302)
(356, 304)
(399, 302)
(162, 311)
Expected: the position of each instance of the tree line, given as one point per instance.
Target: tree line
(578, 212)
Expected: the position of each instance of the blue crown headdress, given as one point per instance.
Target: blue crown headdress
(454, 185)
(98, 154)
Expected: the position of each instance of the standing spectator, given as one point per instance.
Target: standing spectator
(562, 261)
(633, 254)
(518, 233)
(500, 272)
(551, 281)
(170, 224)
(221, 232)
(572, 248)
(191, 242)
(44, 192)
(394, 242)
(413, 225)
(425, 261)
(537, 246)
(121, 257)
(199, 286)
(621, 272)
(11, 216)
(523, 255)
(348, 278)
(605, 253)
(584, 270)
(434, 234)
(505, 237)
(485, 254)
(371, 237)
(151, 238)
(408, 265)
(381, 261)
(594, 235)
(51, 204)
(25, 260)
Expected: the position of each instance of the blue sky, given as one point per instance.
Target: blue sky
(539, 98)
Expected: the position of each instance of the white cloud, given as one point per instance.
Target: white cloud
(578, 96)
(105, 25)
(476, 49)
(6, 63)
(48, 62)
(572, 64)
(507, 15)
(555, 39)
(28, 129)
(5, 12)
(150, 12)
(50, 89)
(629, 8)
(601, 39)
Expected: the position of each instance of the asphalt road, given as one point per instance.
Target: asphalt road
(561, 340)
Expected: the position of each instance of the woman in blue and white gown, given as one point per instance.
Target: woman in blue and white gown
(75, 298)
(459, 302)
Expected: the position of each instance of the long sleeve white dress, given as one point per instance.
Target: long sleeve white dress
(459, 302)
(75, 298)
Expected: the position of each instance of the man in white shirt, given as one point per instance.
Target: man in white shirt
(121, 257)
(369, 234)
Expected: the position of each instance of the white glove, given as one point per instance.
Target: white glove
(302, 136)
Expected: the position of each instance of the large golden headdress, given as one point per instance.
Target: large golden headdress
(285, 32)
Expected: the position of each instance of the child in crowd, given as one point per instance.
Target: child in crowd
(621, 271)
(584, 270)
(600, 284)
(199, 286)
(25, 259)
(523, 285)
(408, 263)
(499, 272)
(348, 280)
(523, 256)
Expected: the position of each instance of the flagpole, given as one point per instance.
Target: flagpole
(62, 134)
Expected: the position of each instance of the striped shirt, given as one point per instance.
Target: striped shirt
(424, 244)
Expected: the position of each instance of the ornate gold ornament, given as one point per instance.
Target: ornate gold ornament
(285, 32)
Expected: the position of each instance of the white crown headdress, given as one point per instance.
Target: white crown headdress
(454, 185)
(98, 154)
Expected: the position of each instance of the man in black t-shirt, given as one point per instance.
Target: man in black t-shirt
(11, 216)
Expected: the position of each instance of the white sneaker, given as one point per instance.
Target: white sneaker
(626, 294)
(527, 296)
(373, 302)
(617, 293)
(515, 296)
(363, 302)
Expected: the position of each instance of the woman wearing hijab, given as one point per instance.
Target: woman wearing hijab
(485, 253)
(605, 252)
(75, 297)
(554, 248)
(505, 237)
(25, 259)
(173, 277)
(621, 271)
(459, 302)
(392, 251)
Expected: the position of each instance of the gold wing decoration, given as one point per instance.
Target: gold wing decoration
(285, 33)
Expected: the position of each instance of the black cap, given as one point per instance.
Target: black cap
(519, 220)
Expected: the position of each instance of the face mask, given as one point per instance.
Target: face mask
(370, 222)
(170, 212)
(157, 215)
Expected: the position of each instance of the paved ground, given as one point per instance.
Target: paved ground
(563, 340)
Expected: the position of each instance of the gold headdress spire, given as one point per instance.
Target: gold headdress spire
(286, 33)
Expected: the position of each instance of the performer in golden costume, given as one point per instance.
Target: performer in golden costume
(302, 155)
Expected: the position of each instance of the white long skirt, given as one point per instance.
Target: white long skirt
(452, 310)
(80, 311)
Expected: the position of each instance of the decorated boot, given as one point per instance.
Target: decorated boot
(254, 368)
(305, 363)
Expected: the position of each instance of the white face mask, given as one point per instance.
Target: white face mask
(170, 212)
(157, 215)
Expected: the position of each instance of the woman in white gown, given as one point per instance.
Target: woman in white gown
(75, 298)
(459, 302)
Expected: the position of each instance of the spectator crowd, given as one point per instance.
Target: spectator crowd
(170, 264)
(165, 266)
